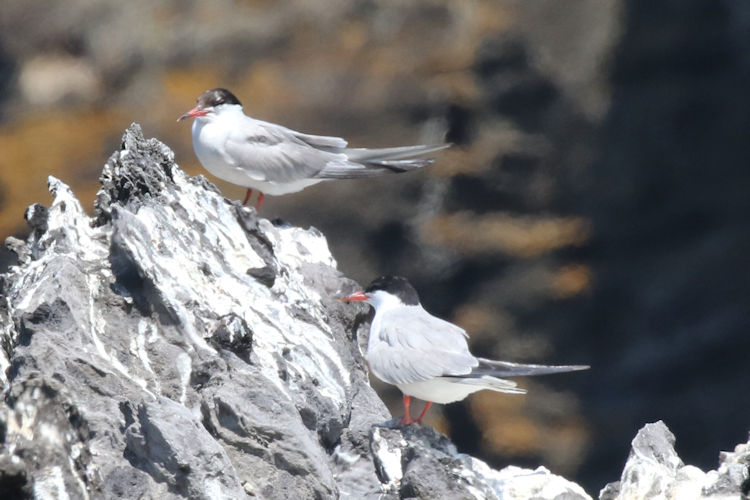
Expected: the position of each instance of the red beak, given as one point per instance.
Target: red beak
(355, 297)
(193, 113)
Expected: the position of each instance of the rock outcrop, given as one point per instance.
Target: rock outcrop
(654, 470)
(175, 344)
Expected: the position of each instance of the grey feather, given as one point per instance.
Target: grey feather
(492, 383)
(414, 346)
(280, 157)
(492, 368)
(397, 153)
(349, 170)
(267, 152)
(321, 141)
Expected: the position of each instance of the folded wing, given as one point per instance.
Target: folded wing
(414, 346)
(267, 152)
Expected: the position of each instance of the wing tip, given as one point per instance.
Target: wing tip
(571, 368)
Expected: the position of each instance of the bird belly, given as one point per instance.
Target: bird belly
(279, 188)
(439, 390)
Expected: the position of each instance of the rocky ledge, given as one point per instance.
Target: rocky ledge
(177, 345)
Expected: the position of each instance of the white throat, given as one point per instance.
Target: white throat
(383, 301)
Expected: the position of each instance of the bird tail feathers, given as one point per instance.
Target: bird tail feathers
(492, 383)
(362, 163)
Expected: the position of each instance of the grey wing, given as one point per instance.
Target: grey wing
(365, 162)
(267, 152)
(271, 153)
(326, 142)
(507, 369)
(321, 141)
(397, 153)
(413, 347)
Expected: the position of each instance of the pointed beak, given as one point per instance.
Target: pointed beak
(355, 297)
(193, 113)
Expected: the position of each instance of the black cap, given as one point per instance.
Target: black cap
(215, 97)
(395, 285)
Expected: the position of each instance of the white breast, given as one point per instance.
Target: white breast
(207, 137)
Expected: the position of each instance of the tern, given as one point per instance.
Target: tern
(276, 160)
(427, 357)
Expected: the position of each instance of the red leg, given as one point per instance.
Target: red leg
(247, 196)
(424, 411)
(407, 417)
(260, 200)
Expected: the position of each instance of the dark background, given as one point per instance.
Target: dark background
(593, 210)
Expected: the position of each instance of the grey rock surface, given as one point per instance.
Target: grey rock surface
(418, 462)
(176, 345)
(141, 352)
(654, 470)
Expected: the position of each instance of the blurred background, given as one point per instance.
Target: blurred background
(594, 209)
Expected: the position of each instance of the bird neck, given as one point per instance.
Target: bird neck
(383, 302)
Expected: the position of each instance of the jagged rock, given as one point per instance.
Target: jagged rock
(654, 470)
(186, 376)
(418, 462)
(177, 345)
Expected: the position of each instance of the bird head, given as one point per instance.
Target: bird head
(385, 292)
(211, 102)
